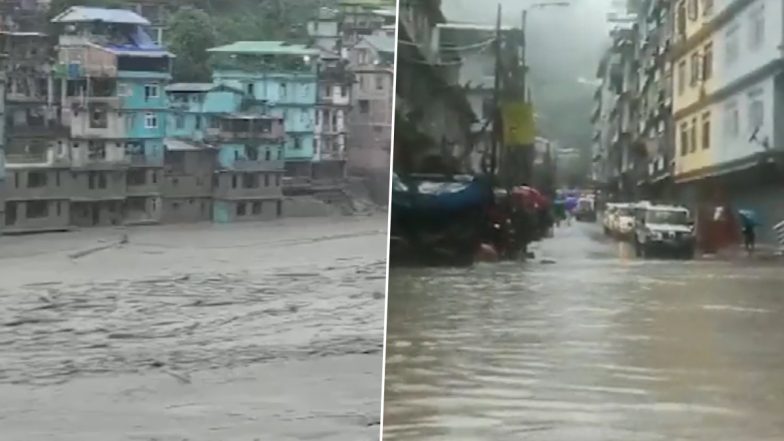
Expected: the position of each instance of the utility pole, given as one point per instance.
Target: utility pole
(496, 98)
(523, 74)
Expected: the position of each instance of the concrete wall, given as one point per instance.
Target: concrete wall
(307, 206)
(232, 185)
(226, 211)
(185, 210)
(19, 217)
(142, 210)
(234, 157)
(97, 213)
(59, 184)
(112, 186)
(144, 181)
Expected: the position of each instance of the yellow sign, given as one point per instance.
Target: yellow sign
(519, 128)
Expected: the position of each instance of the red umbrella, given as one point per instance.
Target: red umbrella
(530, 198)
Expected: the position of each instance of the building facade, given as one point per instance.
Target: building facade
(284, 78)
(728, 105)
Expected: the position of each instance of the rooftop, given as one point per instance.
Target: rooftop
(367, 3)
(382, 43)
(84, 14)
(190, 87)
(264, 48)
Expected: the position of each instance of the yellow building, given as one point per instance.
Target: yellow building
(693, 76)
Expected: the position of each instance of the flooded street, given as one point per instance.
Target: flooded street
(587, 344)
(199, 332)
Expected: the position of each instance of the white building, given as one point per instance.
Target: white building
(748, 80)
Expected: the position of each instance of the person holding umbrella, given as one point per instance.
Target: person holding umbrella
(749, 222)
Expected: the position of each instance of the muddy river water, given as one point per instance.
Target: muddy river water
(257, 331)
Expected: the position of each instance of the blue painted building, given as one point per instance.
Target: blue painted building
(280, 77)
(244, 142)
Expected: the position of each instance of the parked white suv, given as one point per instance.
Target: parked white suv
(623, 221)
(665, 229)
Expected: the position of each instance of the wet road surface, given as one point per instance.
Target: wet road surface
(587, 344)
(243, 332)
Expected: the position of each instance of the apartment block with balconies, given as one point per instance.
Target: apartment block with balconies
(113, 76)
(248, 180)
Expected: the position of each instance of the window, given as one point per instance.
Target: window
(266, 179)
(731, 120)
(280, 154)
(693, 138)
(59, 208)
(756, 110)
(361, 82)
(151, 91)
(707, 62)
(57, 178)
(257, 207)
(684, 139)
(37, 209)
(179, 122)
(706, 130)
(251, 89)
(277, 180)
(136, 177)
(694, 9)
(283, 90)
(250, 180)
(233, 181)
(99, 116)
(681, 77)
(379, 81)
(268, 155)
(757, 27)
(297, 143)
(198, 122)
(343, 91)
(241, 209)
(364, 106)
(36, 179)
(96, 150)
(731, 45)
(150, 120)
(102, 180)
(696, 61)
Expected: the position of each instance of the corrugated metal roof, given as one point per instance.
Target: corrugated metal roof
(264, 48)
(181, 145)
(190, 87)
(81, 14)
(381, 42)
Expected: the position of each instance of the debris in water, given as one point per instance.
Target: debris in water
(547, 262)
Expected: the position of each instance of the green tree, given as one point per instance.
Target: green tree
(190, 34)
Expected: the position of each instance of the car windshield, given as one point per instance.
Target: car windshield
(624, 211)
(667, 217)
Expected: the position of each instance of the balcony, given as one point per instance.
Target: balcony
(252, 128)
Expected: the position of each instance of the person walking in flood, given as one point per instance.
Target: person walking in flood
(749, 223)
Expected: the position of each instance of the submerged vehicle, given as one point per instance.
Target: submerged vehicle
(438, 219)
(664, 229)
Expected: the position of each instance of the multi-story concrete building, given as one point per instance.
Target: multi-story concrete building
(473, 44)
(433, 117)
(360, 18)
(372, 61)
(113, 76)
(729, 92)
(225, 156)
(32, 123)
(615, 116)
(335, 82)
(2, 150)
(248, 180)
(654, 136)
(284, 77)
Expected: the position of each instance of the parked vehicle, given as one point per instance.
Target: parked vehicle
(664, 229)
(622, 224)
(607, 217)
(586, 210)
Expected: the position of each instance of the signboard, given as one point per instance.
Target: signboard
(519, 128)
